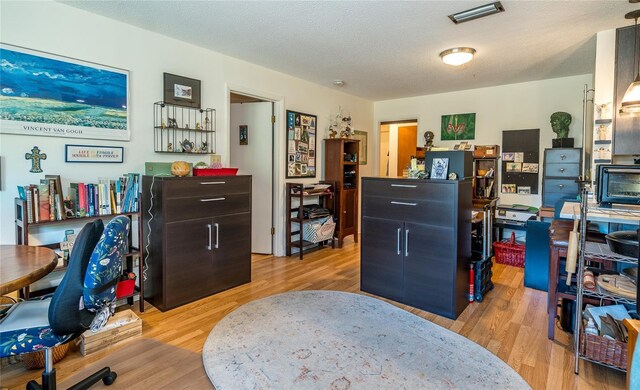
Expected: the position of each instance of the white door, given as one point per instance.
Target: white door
(255, 158)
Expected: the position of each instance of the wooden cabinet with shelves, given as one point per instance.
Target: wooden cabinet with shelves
(485, 180)
(132, 260)
(199, 236)
(341, 165)
(296, 199)
(179, 129)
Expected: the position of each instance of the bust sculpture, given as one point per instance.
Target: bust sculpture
(560, 125)
(560, 122)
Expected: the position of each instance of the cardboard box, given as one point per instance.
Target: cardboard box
(122, 326)
(486, 151)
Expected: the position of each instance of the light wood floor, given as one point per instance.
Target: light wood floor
(510, 322)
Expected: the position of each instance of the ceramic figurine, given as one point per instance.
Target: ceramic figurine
(206, 123)
(203, 147)
(186, 125)
(163, 125)
(187, 145)
(332, 132)
(169, 147)
(172, 122)
(198, 127)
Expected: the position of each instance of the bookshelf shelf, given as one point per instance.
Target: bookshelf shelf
(24, 228)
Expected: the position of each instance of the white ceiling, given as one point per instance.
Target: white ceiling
(386, 49)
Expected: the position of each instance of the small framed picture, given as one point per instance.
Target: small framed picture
(508, 156)
(524, 190)
(529, 167)
(439, 168)
(518, 157)
(244, 135)
(514, 167)
(508, 188)
(181, 91)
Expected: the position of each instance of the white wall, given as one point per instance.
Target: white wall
(507, 107)
(60, 29)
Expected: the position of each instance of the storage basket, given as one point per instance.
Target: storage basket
(317, 230)
(509, 252)
(35, 360)
(611, 352)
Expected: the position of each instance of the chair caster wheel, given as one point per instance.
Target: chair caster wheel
(33, 385)
(109, 379)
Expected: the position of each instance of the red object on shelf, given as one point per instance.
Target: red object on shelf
(125, 288)
(215, 171)
(472, 287)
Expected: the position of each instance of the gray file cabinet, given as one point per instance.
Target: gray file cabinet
(561, 170)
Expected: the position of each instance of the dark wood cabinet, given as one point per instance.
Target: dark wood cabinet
(200, 237)
(625, 126)
(416, 242)
(341, 165)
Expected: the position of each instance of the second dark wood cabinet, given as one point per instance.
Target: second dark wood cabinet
(200, 238)
(416, 242)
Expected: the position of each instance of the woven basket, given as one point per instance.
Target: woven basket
(35, 360)
(509, 252)
(598, 348)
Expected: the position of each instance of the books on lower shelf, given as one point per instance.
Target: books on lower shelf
(46, 202)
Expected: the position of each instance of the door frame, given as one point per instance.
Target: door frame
(277, 140)
(376, 168)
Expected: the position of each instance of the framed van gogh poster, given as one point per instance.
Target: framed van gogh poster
(301, 144)
(50, 95)
(458, 126)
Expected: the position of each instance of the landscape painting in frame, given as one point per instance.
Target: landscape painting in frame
(458, 126)
(49, 95)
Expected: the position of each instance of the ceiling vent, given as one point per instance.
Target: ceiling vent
(478, 12)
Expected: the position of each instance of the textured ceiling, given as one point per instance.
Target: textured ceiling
(386, 50)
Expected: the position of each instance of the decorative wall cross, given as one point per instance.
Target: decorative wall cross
(35, 156)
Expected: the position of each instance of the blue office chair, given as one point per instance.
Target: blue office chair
(84, 299)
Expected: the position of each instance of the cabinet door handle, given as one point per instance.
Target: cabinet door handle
(204, 183)
(561, 185)
(211, 199)
(403, 203)
(406, 242)
(398, 242)
(563, 156)
(209, 227)
(217, 234)
(403, 185)
(561, 169)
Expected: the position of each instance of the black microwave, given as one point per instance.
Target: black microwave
(618, 184)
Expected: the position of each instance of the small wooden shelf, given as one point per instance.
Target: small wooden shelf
(296, 191)
(23, 228)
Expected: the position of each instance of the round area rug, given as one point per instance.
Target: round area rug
(338, 340)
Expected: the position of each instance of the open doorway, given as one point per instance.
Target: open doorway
(251, 150)
(398, 143)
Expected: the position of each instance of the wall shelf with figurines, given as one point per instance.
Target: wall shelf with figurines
(179, 129)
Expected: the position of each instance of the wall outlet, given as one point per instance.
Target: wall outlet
(215, 158)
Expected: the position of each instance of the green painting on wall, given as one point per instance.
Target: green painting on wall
(458, 126)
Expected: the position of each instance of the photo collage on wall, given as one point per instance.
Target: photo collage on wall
(301, 144)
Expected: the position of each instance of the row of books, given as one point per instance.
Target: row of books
(45, 201)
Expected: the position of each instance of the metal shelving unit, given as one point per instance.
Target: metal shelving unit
(591, 251)
(179, 129)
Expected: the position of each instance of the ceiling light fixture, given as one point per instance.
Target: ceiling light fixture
(631, 100)
(478, 12)
(457, 56)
